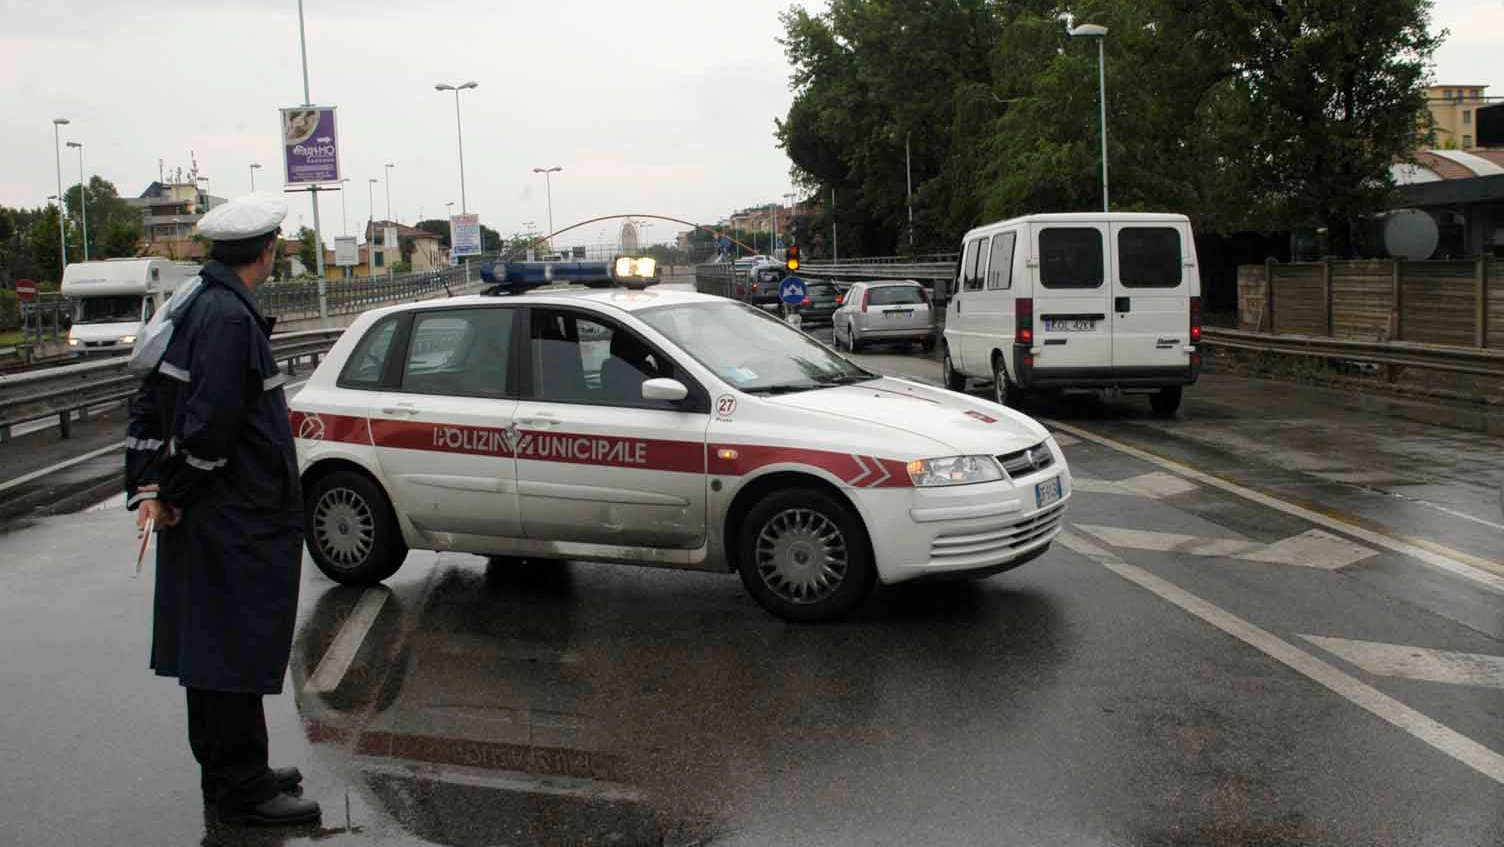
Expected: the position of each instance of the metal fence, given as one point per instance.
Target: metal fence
(46, 319)
(296, 300)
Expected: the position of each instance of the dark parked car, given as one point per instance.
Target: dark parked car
(821, 303)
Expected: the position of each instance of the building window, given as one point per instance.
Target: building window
(1447, 94)
(1467, 116)
(380, 260)
(1467, 142)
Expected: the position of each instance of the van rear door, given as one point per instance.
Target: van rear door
(1151, 291)
(1072, 300)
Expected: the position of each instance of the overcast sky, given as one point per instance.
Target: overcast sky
(665, 106)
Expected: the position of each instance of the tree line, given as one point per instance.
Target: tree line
(29, 244)
(1247, 115)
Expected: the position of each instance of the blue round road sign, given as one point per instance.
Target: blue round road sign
(792, 291)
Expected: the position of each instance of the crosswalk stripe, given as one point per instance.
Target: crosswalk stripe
(1407, 662)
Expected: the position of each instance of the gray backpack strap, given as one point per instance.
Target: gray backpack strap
(152, 342)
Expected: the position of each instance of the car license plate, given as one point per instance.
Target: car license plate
(904, 314)
(1047, 492)
(1070, 325)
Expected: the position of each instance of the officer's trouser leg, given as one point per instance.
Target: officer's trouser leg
(227, 732)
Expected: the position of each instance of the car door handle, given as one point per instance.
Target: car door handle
(539, 421)
(1122, 304)
(400, 409)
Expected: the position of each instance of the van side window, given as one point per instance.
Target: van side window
(968, 261)
(1149, 257)
(1070, 257)
(1000, 269)
(976, 267)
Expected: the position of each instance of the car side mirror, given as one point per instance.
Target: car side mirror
(671, 390)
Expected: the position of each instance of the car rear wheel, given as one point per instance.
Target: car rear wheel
(1166, 401)
(804, 556)
(928, 344)
(1004, 392)
(954, 380)
(852, 344)
(352, 531)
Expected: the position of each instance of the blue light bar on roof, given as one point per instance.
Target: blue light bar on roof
(534, 274)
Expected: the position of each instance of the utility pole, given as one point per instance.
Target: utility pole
(313, 190)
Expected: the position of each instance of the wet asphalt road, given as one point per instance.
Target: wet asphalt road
(1071, 701)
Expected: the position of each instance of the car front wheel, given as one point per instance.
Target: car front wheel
(351, 530)
(804, 556)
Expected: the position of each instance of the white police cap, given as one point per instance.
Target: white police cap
(243, 217)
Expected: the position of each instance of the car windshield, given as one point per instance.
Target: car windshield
(756, 353)
(894, 295)
(109, 310)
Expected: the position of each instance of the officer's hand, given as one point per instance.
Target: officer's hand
(162, 513)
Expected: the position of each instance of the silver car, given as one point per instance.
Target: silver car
(874, 312)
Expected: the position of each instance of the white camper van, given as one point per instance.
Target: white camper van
(113, 298)
(1086, 301)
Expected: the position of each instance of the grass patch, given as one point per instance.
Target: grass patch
(10, 338)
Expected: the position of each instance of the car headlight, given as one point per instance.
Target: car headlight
(73, 342)
(127, 339)
(954, 470)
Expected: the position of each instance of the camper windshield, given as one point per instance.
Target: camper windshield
(109, 310)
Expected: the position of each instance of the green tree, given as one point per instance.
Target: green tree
(308, 250)
(115, 227)
(437, 227)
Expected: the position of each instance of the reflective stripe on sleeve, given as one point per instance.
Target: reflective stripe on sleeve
(141, 495)
(148, 444)
(177, 373)
(202, 464)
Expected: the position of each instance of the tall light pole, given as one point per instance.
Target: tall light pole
(389, 167)
(1099, 34)
(371, 227)
(313, 190)
(83, 198)
(62, 208)
(548, 187)
(908, 174)
(835, 239)
(254, 167)
(344, 209)
(459, 132)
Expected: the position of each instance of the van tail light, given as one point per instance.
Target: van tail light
(1023, 320)
(840, 299)
(866, 295)
(1195, 320)
(805, 302)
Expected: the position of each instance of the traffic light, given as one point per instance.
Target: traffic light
(792, 260)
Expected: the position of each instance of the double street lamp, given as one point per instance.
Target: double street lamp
(459, 131)
(1099, 34)
(549, 188)
(83, 198)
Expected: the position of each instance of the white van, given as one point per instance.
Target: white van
(112, 299)
(1083, 301)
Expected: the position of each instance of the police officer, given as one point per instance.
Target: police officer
(210, 459)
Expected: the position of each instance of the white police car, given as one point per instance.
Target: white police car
(657, 427)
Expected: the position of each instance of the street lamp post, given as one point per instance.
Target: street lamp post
(389, 167)
(1099, 34)
(83, 198)
(254, 167)
(313, 190)
(908, 175)
(344, 209)
(371, 227)
(62, 208)
(548, 187)
(459, 133)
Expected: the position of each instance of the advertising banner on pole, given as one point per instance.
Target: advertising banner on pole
(346, 253)
(310, 147)
(464, 235)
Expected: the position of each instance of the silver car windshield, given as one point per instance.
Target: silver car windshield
(751, 350)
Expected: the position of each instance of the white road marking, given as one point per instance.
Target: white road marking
(1439, 736)
(1065, 440)
(1401, 660)
(1155, 486)
(1310, 549)
(61, 466)
(331, 670)
(1478, 570)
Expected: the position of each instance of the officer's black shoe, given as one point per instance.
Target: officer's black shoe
(281, 810)
(288, 780)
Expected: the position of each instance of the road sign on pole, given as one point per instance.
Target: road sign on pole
(792, 291)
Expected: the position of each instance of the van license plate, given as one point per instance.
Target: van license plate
(1071, 325)
(1048, 492)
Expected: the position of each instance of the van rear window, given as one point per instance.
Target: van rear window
(1070, 257)
(1149, 257)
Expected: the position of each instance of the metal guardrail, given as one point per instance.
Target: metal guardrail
(64, 390)
(295, 300)
(1401, 354)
